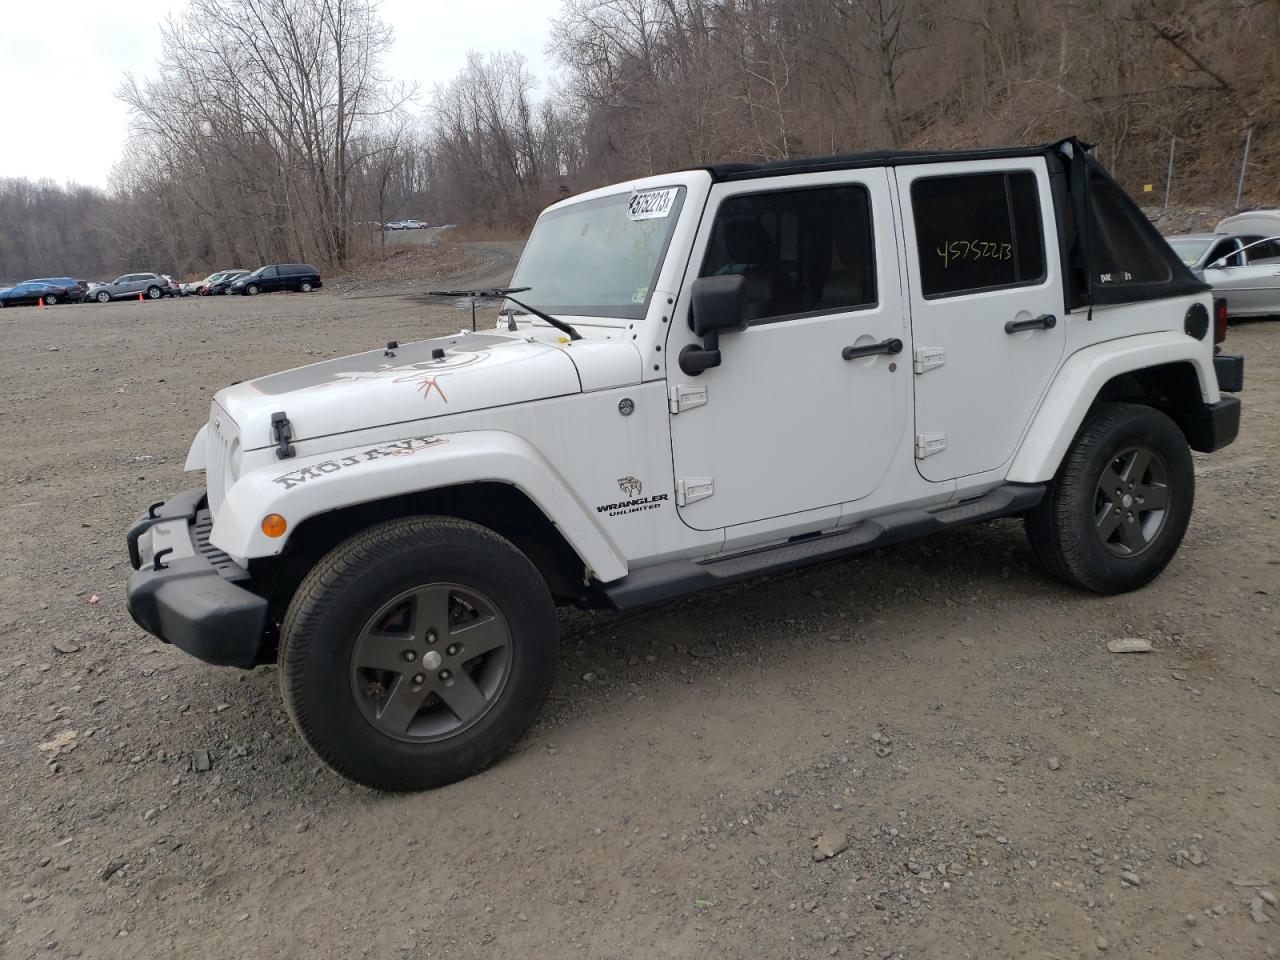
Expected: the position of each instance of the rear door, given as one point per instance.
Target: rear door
(986, 307)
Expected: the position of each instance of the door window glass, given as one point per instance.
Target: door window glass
(801, 251)
(1266, 252)
(1226, 249)
(978, 232)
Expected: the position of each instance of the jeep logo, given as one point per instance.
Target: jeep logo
(630, 486)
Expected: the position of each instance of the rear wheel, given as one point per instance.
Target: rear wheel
(305, 286)
(1117, 510)
(153, 293)
(51, 300)
(416, 653)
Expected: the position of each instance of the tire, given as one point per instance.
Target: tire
(305, 286)
(103, 297)
(1081, 531)
(364, 591)
(153, 293)
(252, 290)
(51, 300)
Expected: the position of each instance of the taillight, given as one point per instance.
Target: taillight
(1219, 319)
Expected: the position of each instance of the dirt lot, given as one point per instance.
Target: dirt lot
(943, 704)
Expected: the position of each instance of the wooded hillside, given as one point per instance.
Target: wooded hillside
(248, 149)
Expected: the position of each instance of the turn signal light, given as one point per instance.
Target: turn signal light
(274, 525)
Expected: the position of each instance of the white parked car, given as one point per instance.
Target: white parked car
(697, 378)
(1240, 260)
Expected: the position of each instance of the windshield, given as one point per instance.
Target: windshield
(599, 258)
(1190, 249)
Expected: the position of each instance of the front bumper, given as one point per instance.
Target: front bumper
(185, 591)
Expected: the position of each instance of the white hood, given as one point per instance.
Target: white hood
(469, 372)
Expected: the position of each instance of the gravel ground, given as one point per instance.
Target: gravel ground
(924, 752)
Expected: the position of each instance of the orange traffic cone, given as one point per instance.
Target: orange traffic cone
(139, 297)
(41, 301)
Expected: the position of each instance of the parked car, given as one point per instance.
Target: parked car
(708, 376)
(76, 289)
(31, 292)
(172, 287)
(394, 225)
(1240, 260)
(224, 281)
(414, 225)
(301, 277)
(150, 285)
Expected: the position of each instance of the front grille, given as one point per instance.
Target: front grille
(223, 440)
(200, 531)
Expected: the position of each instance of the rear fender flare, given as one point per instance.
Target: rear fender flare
(300, 488)
(1079, 381)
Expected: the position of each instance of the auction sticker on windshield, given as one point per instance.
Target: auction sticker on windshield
(651, 204)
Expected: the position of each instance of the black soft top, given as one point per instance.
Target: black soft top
(1111, 252)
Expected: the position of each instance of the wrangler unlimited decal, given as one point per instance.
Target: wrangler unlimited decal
(401, 448)
(633, 506)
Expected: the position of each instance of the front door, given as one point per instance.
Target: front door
(1251, 280)
(787, 423)
(986, 307)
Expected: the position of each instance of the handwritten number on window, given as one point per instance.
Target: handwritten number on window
(959, 250)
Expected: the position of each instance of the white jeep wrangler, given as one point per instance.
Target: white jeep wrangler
(697, 378)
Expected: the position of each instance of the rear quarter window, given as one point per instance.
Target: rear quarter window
(977, 232)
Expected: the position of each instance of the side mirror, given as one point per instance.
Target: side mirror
(1217, 264)
(719, 306)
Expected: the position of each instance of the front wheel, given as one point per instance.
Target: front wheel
(104, 297)
(252, 290)
(51, 300)
(416, 653)
(1117, 509)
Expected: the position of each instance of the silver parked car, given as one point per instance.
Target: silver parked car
(1240, 260)
(151, 285)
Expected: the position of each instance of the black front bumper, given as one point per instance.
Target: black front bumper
(194, 602)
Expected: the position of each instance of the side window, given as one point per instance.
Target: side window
(977, 232)
(1266, 252)
(801, 251)
(1229, 249)
(269, 272)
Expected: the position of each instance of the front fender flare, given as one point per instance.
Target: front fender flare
(1078, 383)
(304, 487)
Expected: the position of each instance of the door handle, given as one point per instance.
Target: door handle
(890, 346)
(1046, 321)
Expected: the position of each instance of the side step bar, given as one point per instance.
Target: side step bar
(666, 581)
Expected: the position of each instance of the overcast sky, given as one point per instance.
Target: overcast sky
(64, 59)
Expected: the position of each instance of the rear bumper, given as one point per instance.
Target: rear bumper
(1229, 371)
(184, 591)
(1213, 426)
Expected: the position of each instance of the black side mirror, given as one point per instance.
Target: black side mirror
(719, 306)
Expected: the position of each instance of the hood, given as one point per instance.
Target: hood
(429, 378)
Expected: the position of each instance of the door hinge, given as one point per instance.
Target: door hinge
(927, 444)
(693, 489)
(681, 396)
(928, 358)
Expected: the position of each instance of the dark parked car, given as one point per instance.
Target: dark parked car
(76, 289)
(31, 292)
(301, 277)
(220, 281)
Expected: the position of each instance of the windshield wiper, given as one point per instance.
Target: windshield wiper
(504, 293)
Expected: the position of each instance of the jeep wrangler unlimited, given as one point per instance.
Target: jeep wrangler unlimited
(697, 378)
